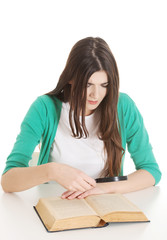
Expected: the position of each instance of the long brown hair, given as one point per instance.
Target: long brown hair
(87, 56)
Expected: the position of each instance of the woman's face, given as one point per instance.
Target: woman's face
(96, 90)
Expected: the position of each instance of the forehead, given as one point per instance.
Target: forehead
(98, 77)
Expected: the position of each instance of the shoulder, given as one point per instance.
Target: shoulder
(48, 100)
(127, 107)
(128, 111)
(43, 108)
(47, 103)
(44, 111)
(125, 102)
(124, 99)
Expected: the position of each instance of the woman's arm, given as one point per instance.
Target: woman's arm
(138, 180)
(20, 179)
(138, 143)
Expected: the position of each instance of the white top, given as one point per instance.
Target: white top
(86, 154)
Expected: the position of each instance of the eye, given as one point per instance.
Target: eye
(89, 84)
(105, 85)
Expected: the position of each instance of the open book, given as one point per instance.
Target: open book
(94, 211)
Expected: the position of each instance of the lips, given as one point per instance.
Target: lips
(92, 102)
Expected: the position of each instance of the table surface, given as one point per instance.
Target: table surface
(18, 220)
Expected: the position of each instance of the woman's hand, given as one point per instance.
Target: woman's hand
(100, 188)
(71, 178)
(137, 180)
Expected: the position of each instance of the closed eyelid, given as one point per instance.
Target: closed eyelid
(103, 84)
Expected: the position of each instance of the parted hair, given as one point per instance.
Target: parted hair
(88, 56)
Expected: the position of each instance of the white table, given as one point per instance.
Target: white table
(18, 220)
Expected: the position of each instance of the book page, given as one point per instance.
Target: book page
(107, 203)
(64, 208)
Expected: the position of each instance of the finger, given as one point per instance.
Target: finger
(94, 191)
(74, 195)
(79, 186)
(85, 185)
(82, 183)
(85, 194)
(75, 186)
(67, 193)
(82, 186)
(90, 180)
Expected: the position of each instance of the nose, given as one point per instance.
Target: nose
(95, 92)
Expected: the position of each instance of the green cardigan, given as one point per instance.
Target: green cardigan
(40, 125)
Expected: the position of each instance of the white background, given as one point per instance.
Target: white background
(36, 37)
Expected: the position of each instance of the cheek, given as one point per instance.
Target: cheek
(103, 93)
(88, 92)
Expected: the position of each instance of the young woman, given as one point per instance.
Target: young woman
(83, 126)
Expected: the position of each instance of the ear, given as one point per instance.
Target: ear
(70, 82)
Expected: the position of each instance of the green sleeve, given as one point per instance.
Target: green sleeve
(137, 140)
(29, 137)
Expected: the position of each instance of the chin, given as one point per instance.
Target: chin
(93, 108)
